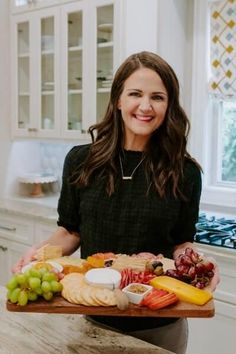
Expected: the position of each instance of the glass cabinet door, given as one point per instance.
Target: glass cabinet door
(105, 24)
(23, 75)
(74, 70)
(47, 121)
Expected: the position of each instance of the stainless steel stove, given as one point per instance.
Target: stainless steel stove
(214, 231)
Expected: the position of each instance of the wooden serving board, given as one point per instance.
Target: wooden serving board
(60, 305)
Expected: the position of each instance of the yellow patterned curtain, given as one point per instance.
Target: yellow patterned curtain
(223, 48)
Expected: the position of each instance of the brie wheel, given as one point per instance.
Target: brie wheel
(103, 277)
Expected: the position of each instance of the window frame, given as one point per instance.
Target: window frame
(204, 114)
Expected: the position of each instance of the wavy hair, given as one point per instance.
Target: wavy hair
(166, 150)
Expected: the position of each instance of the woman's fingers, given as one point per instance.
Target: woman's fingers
(28, 257)
(17, 267)
(216, 278)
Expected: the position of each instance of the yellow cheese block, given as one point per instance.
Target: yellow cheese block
(185, 292)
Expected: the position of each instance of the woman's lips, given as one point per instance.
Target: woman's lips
(143, 118)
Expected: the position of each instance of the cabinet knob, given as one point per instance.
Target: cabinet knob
(7, 228)
(32, 129)
(4, 249)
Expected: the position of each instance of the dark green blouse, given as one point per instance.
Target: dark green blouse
(130, 220)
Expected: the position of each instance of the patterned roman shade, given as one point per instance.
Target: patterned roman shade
(223, 48)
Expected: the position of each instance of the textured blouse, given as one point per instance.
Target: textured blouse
(130, 220)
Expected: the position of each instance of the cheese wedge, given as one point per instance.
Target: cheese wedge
(185, 292)
(48, 252)
(72, 264)
(124, 261)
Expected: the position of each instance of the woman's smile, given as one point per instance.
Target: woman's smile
(143, 118)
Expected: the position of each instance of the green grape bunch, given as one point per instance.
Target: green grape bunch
(34, 283)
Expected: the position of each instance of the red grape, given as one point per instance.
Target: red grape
(200, 285)
(178, 262)
(172, 273)
(183, 269)
(200, 269)
(188, 251)
(186, 260)
(209, 266)
(195, 257)
(192, 272)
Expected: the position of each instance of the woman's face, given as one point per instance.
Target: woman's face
(143, 104)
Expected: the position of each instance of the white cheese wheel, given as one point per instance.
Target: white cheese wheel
(103, 277)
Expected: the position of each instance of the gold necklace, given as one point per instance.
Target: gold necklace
(122, 171)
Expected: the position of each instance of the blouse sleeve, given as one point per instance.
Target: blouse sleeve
(185, 228)
(68, 204)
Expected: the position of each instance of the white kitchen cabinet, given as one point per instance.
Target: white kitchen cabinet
(216, 335)
(17, 234)
(63, 60)
(35, 109)
(18, 6)
(16, 228)
(10, 252)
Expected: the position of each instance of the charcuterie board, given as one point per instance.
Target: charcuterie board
(60, 305)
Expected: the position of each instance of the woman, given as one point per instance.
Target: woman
(135, 188)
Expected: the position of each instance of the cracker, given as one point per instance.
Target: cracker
(48, 252)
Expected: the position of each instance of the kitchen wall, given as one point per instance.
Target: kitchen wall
(5, 143)
(166, 29)
(35, 158)
(174, 38)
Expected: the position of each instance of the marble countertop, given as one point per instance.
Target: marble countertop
(27, 333)
(40, 208)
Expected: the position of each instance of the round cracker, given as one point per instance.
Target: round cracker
(73, 277)
(106, 297)
(85, 294)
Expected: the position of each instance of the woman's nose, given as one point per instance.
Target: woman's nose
(145, 105)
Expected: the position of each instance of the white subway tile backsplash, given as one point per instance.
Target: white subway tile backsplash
(52, 157)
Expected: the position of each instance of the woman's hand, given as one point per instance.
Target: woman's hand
(216, 277)
(28, 257)
(69, 241)
(180, 249)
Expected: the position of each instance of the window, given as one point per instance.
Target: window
(21, 2)
(228, 138)
(213, 132)
(222, 79)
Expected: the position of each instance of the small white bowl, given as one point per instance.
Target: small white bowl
(136, 297)
(103, 277)
(55, 265)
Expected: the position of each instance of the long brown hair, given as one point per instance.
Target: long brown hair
(166, 150)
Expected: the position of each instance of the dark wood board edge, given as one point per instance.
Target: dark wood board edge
(60, 306)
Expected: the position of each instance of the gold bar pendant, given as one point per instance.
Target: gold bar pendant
(127, 177)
